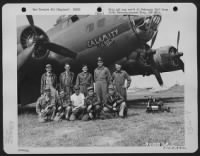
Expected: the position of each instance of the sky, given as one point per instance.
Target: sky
(171, 23)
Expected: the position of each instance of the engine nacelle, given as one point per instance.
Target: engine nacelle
(26, 36)
(167, 58)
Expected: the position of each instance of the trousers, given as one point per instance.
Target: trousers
(101, 89)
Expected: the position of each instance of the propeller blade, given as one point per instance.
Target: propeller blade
(59, 49)
(181, 64)
(132, 22)
(157, 75)
(23, 56)
(178, 38)
(153, 39)
(31, 22)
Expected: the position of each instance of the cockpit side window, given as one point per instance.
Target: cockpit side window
(90, 27)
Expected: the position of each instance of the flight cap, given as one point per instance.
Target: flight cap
(90, 88)
(48, 66)
(76, 87)
(99, 59)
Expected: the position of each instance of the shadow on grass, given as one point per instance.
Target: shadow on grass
(26, 109)
(141, 103)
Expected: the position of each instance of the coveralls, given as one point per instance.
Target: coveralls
(118, 78)
(102, 78)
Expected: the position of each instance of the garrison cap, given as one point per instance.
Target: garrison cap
(90, 88)
(111, 87)
(99, 59)
(61, 92)
(118, 63)
(48, 66)
(76, 87)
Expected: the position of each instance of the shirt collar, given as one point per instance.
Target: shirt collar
(49, 74)
(100, 67)
(118, 71)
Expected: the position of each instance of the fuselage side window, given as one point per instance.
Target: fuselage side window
(101, 22)
(90, 27)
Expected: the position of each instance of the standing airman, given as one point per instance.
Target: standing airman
(102, 78)
(118, 78)
(66, 81)
(48, 79)
(84, 80)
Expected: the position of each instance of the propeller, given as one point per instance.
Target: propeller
(59, 49)
(24, 55)
(149, 58)
(157, 75)
(49, 45)
(31, 22)
(40, 43)
(153, 39)
(178, 39)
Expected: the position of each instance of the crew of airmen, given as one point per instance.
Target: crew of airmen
(82, 101)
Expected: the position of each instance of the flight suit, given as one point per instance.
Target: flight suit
(48, 80)
(118, 78)
(115, 103)
(93, 106)
(66, 83)
(45, 108)
(102, 78)
(84, 80)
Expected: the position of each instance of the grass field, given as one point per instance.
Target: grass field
(136, 130)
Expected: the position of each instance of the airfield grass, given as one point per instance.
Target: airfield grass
(137, 129)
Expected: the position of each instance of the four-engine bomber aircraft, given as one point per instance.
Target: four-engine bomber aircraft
(81, 39)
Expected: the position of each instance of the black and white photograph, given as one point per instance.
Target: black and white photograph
(88, 80)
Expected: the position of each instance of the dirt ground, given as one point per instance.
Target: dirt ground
(138, 129)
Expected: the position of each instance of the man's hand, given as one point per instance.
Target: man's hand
(89, 108)
(75, 108)
(115, 104)
(127, 86)
(114, 108)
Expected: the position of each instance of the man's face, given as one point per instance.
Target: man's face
(90, 93)
(117, 67)
(62, 94)
(100, 64)
(85, 69)
(47, 94)
(67, 67)
(77, 91)
(48, 69)
(111, 91)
